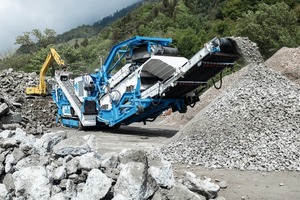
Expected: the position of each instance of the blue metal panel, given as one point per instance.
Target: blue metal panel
(72, 123)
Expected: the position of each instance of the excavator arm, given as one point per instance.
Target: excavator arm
(41, 89)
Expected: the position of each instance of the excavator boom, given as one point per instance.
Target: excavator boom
(41, 89)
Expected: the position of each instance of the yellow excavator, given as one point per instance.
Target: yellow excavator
(41, 89)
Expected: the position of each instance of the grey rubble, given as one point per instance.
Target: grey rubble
(35, 115)
(41, 171)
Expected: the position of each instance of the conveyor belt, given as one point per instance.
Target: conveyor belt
(200, 73)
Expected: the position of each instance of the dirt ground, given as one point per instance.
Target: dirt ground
(248, 185)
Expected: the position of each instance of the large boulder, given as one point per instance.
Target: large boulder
(134, 182)
(32, 183)
(75, 146)
(96, 187)
(47, 141)
(132, 155)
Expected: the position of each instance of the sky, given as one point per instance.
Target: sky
(18, 16)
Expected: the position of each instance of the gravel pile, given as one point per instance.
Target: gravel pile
(287, 62)
(34, 114)
(253, 125)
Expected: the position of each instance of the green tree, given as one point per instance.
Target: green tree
(271, 27)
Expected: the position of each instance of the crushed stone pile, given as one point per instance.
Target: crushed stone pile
(250, 54)
(287, 62)
(35, 115)
(56, 167)
(253, 125)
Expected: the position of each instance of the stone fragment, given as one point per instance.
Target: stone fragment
(3, 109)
(89, 161)
(161, 170)
(110, 160)
(47, 141)
(96, 187)
(74, 146)
(223, 184)
(134, 182)
(202, 187)
(8, 182)
(60, 173)
(4, 193)
(132, 155)
(178, 192)
(32, 182)
(72, 166)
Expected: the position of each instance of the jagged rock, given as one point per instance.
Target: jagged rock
(132, 155)
(161, 170)
(110, 160)
(3, 109)
(202, 187)
(2, 168)
(59, 196)
(70, 189)
(96, 179)
(32, 160)
(220, 198)
(32, 182)
(8, 182)
(178, 192)
(134, 182)
(74, 146)
(89, 161)
(72, 166)
(9, 162)
(4, 193)
(60, 173)
(119, 197)
(47, 141)
(17, 154)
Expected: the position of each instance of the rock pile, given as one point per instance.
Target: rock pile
(287, 62)
(34, 115)
(55, 167)
(253, 125)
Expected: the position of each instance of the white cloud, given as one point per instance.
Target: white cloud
(18, 16)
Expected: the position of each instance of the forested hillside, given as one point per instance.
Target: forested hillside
(272, 24)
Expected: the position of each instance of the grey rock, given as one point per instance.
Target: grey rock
(72, 166)
(48, 140)
(119, 197)
(89, 161)
(4, 194)
(2, 168)
(96, 179)
(161, 170)
(132, 155)
(74, 146)
(220, 198)
(32, 160)
(202, 187)
(9, 162)
(32, 182)
(3, 108)
(178, 192)
(110, 160)
(134, 182)
(17, 154)
(70, 189)
(60, 173)
(59, 196)
(223, 184)
(8, 182)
